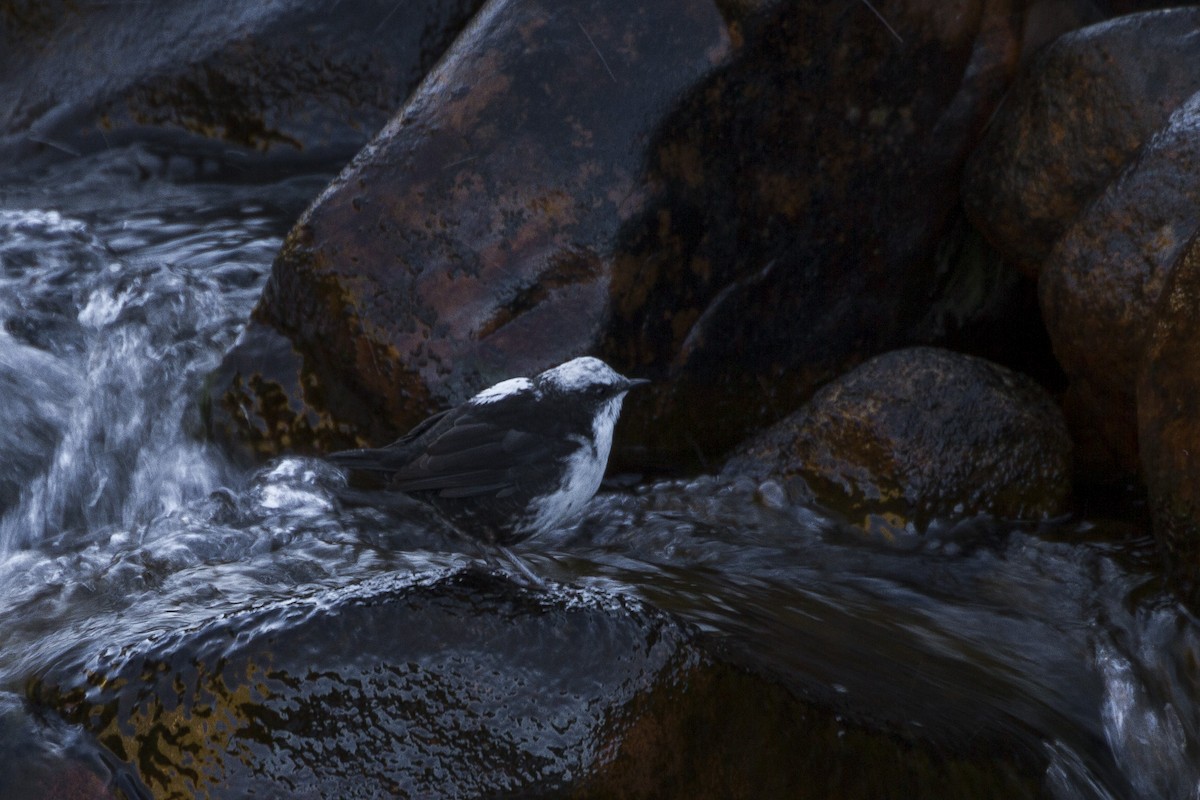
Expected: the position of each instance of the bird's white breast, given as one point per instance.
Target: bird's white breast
(584, 472)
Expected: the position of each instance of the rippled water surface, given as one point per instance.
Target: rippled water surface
(123, 277)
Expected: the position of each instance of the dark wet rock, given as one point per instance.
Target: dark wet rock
(1168, 415)
(286, 77)
(1102, 280)
(920, 434)
(1078, 113)
(41, 761)
(466, 686)
(271, 400)
(1088, 178)
(708, 202)
(774, 252)
(985, 307)
(726, 734)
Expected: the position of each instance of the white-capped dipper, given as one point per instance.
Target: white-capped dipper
(519, 458)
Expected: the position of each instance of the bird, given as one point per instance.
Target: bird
(519, 458)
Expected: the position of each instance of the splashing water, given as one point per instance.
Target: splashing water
(112, 356)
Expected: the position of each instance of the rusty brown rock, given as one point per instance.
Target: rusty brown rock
(920, 434)
(1077, 114)
(469, 243)
(1168, 416)
(294, 77)
(711, 202)
(1102, 280)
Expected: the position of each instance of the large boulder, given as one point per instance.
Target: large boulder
(467, 244)
(705, 200)
(1089, 179)
(1102, 280)
(448, 687)
(1078, 112)
(918, 435)
(1168, 414)
(462, 685)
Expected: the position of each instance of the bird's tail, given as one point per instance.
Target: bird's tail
(369, 459)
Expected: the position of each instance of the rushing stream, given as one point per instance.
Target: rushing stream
(124, 277)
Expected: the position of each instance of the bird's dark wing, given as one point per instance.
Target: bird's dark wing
(469, 451)
(485, 450)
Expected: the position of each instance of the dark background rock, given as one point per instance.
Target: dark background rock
(1077, 114)
(776, 250)
(726, 221)
(296, 78)
(985, 307)
(921, 434)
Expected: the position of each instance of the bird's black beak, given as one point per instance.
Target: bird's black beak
(630, 383)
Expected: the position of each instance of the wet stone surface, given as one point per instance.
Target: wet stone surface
(403, 679)
(467, 244)
(174, 626)
(1087, 179)
(448, 686)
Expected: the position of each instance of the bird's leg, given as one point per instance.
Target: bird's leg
(531, 581)
(506, 561)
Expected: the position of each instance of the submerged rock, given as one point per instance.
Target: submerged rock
(703, 199)
(465, 686)
(916, 435)
(448, 688)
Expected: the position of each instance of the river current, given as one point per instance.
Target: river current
(125, 276)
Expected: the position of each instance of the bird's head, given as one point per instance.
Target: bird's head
(587, 379)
